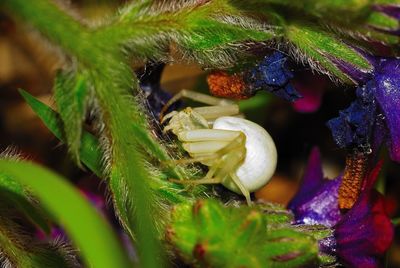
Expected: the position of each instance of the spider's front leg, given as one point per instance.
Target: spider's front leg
(217, 107)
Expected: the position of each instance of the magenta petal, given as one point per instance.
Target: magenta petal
(311, 88)
(387, 79)
(365, 232)
(310, 102)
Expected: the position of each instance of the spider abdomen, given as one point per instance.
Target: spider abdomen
(261, 155)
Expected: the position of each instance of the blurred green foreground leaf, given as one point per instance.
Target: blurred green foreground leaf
(98, 245)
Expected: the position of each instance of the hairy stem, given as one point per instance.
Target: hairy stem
(125, 128)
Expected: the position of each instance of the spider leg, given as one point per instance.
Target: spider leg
(242, 189)
(208, 135)
(168, 116)
(207, 144)
(208, 179)
(211, 113)
(207, 148)
(234, 153)
(195, 182)
(201, 158)
(235, 147)
(196, 96)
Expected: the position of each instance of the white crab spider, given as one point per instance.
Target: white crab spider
(240, 154)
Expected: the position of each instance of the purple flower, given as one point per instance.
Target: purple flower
(375, 114)
(56, 233)
(361, 235)
(386, 86)
(365, 232)
(272, 74)
(316, 202)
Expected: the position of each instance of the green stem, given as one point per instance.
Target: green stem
(128, 164)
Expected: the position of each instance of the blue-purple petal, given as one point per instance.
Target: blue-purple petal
(321, 207)
(317, 200)
(287, 92)
(360, 236)
(311, 180)
(274, 71)
(387, 94)
(354, 126)
(272, 74)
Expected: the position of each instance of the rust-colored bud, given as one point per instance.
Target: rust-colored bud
(354, 173)
(223, 85)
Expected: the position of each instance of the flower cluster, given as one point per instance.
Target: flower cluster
(360, 235)
(374, 116)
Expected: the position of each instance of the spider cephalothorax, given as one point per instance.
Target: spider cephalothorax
(240, 154)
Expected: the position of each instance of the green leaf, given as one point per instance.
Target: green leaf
(326, 51)
(70, 92)
(90, 152)
(91, 156)
(90, 232)
(382, 21)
